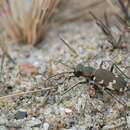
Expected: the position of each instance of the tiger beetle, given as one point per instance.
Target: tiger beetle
(106, 79)
(101, 77)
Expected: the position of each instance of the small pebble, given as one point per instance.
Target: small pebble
(45, 126)
(21, 115)
(68, 110)
(34, 122)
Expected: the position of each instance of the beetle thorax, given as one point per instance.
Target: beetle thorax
(81, 70)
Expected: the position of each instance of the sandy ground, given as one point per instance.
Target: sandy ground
(77, 110)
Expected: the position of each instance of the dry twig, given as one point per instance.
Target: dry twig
(23, 93)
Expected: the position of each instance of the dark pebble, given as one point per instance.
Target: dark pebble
(21, 115)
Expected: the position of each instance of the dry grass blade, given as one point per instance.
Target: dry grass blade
(106, 29)
(124, 9)
(121, 7)
(26, 21)
(67, 44)
(104, 26)
(5, 54)
(24, 93)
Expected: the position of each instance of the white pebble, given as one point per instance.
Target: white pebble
(45, 126)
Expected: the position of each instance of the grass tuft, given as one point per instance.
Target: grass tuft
(121, 7)
(106, 29)
(26, 21)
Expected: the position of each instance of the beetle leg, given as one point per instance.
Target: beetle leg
(81, 82)
(107, 91)
(118, 100)
(112, 68)
(121, 102)
(116, 66)
(67, 79)
(101, 65)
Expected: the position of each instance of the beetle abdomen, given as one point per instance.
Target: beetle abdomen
(108, 80)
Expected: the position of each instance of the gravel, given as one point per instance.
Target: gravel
(76, 109)
(3, 119)
(33, 122)
(3, 128)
